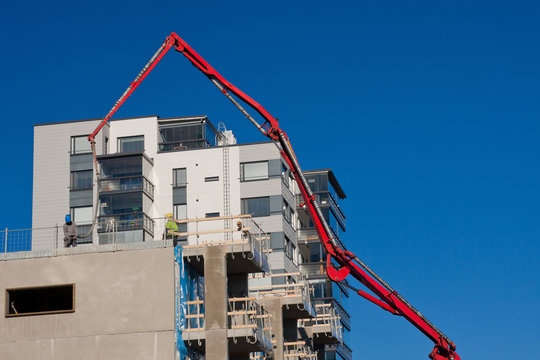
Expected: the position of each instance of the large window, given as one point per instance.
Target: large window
(40, 300)
(254, 171)
(131, 144)
(259, 206)
(81, 180)
(80, 145)
(179, 177)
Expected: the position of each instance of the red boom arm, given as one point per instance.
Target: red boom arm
(346, 262)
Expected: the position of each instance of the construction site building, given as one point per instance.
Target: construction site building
(253, 268)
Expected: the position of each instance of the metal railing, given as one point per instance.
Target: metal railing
(126, 231)
(47, 241)
(298, 350)
(246, 313)
(246, 235)
(127, 184)
(294, 285)
(326, 319)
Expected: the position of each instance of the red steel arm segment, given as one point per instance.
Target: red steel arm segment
(347, 263)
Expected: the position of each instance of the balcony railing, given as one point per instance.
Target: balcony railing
(183, 145)
(295, 285)
(297, 350)
(343, 314)
(313, 268)
(326, 321)
(245, 313)
(127, 184)
(130, 222)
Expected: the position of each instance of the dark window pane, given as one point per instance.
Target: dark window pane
(256, 206)
(81, 180)
(80, 145)
(40, 300)
(179, 177)
(131, 144)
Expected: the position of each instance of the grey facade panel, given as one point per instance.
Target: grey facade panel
(289, 231)
(80, 198)
(179, 195)
(276, 240)
(81, 162)
(274, 168)
(276, 204)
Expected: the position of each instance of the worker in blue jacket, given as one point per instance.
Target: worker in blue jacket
(70, 232)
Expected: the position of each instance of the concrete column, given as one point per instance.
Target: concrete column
(273, 306)
(215, 287)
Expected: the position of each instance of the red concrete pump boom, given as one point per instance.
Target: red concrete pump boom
(340, 263)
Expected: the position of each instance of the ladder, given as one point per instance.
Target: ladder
(226, 181)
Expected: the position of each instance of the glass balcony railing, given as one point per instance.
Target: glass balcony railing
(127, 222)
(183, 145)
(314, 268)
(127, 184)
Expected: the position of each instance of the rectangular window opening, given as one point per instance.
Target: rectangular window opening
(212, 214)
(179, 177)
(254, 171)
(256, 206)
(80, 145)
(211, 178)
(40, 300)
(131, 144)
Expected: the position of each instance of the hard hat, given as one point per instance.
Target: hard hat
(169, 215)
(68, 218)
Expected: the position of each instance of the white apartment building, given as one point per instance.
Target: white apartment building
(151, 166)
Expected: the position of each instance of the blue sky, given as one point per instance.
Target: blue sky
(426, 111)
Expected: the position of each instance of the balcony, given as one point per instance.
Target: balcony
(125, 228)
(248, 325)
(293, 291)
(298, 350)
(128, 183)
(313, 269)
(246, 245)
(325, 327)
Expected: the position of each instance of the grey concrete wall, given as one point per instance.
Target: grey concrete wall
(215, 288)
(124, 307)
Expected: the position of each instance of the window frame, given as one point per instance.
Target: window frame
(72, 173)
(73, 150)
(7, 297)
(119, 141)
(243, 205)
(243, 172)
(175, 183)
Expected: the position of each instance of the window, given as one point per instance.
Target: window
(80, 145)
(40, 300)
(180, 211)
(254, 171)
(288, 247)
(81, 180)
(211, 178)
(284, 176)
(179, 177)
(256, 206)
(286, 211)
(292, 182)
(212, 214)
(131, 144)
(82, 215)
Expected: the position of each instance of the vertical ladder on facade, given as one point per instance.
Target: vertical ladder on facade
(226, 180)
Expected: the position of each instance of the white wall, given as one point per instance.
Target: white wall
(51, 176)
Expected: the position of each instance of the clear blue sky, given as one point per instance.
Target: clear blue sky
(427, 112)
